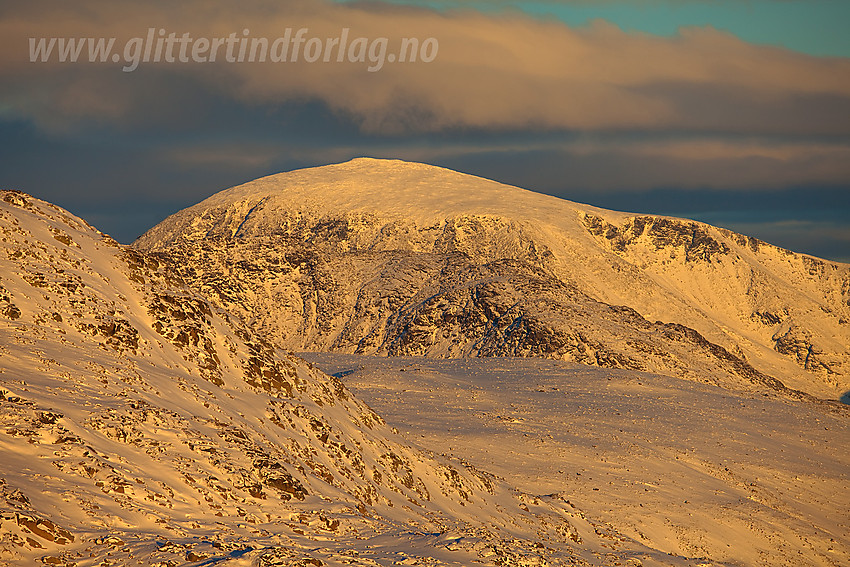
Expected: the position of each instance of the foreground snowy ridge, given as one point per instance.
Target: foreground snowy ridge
(390, 257)
(143, 426)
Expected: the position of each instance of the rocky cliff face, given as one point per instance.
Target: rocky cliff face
(388, 257)
(142, 425)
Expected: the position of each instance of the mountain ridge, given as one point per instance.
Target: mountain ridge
(330, 257)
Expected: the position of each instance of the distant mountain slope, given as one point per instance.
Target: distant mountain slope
(389, 257)
(139, 425)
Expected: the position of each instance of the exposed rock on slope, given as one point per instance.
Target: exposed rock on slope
(388, 257)
(141, 425)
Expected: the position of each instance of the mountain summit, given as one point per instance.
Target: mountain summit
(391, 257)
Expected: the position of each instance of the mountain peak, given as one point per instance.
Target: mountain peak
(392, 188)
(394, 257)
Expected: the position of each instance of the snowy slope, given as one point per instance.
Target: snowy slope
(143, 426)
(389, 257)
(687, 468)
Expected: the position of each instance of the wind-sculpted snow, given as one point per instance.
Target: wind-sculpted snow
(388, 257)
(141, 425)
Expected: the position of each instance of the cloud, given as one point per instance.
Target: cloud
(528, 101)
(492, 72)
(504, 3)
(225, 156)
(617, 164)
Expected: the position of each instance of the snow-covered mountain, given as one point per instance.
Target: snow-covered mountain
(390, 257)
(141, 425)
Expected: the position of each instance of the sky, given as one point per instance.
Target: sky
(733, 112)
